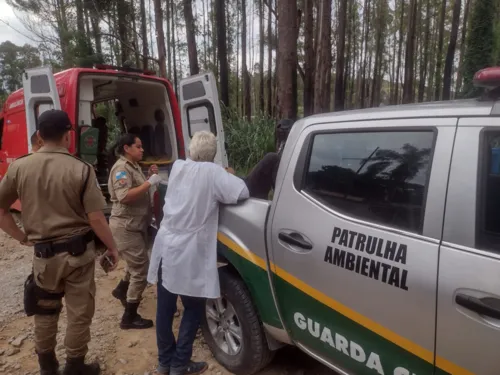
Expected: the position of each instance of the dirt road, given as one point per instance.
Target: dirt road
(119, 352)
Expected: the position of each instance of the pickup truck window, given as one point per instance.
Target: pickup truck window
(488, 202)
(378, 176)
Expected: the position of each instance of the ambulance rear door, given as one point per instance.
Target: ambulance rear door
(40, 90)
(200, 110)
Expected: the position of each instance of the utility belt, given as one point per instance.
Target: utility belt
(75, 246)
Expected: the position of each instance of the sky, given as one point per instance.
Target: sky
(8, 17)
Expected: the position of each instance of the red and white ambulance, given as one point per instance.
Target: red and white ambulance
(138, 97)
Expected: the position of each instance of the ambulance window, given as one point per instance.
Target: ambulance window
(40, 108)
(201, 117)
(488, 225)
(379, 176)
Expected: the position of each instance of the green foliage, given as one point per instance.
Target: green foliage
(13, 60)
(248, 141)
(480, 43)
(107, 110)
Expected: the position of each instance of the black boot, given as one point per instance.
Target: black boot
(120, 292)
(48, 363)
(132, 320)
(77, 366)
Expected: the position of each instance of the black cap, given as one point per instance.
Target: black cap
(53, 123)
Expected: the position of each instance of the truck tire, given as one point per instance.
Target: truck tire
(231, 316)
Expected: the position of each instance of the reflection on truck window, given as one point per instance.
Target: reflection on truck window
(488, 231)
(380, 177)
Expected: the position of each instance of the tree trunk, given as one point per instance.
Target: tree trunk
(269, 59)
(88, 37)
(348, 57)
(169, 54)
(400, 48)
(214, 37)
(174, 46)
(355, 55)
(261, 56)
(339, 69)
(308, 57)
(462, 48)
(96, 31)
(222, 51)
(205, 32)
(144, 34)
(375, 97)
(423, 66)
(450, 55)
(160, 38)
(324, 59)
(238, 90)
(122, 10)
(432, 64)
(287, 58)
(409, 59)
(81, 41)
(439, 63)
(247, 100)
(191, 37)
(365, 54)
(135, 40)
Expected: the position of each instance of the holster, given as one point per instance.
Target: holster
(33, 293)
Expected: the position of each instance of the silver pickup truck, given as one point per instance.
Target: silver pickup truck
(380, 251)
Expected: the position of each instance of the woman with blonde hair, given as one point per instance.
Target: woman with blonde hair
(184, 257)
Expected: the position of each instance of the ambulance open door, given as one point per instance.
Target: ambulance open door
(39, 90)
(200, 110)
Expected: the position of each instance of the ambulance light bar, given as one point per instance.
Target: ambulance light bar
(488, 78)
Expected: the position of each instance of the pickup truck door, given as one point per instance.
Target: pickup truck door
(468, 315)
(354, 236)
(200, 110)
(39, 90)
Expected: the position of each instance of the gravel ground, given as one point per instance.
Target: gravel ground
(119, 352)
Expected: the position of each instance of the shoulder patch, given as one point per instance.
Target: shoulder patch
(122, 175)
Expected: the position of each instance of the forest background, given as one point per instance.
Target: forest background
(273, 59)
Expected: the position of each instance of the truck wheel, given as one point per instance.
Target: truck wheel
(232, 328)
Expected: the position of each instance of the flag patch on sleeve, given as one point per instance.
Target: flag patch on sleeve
(122, 175)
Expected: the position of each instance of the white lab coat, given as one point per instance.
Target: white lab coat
(186, 242)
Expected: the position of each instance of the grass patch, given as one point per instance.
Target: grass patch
(248, 141)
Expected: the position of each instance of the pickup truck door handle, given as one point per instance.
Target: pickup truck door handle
(295, 239)
(483, 306)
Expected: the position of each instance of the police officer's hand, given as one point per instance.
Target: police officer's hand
(114, 257)
(25, 242)
(153, 170)
(154, 179)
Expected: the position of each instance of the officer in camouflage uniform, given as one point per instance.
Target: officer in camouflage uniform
(62, 209)
(130, 217)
